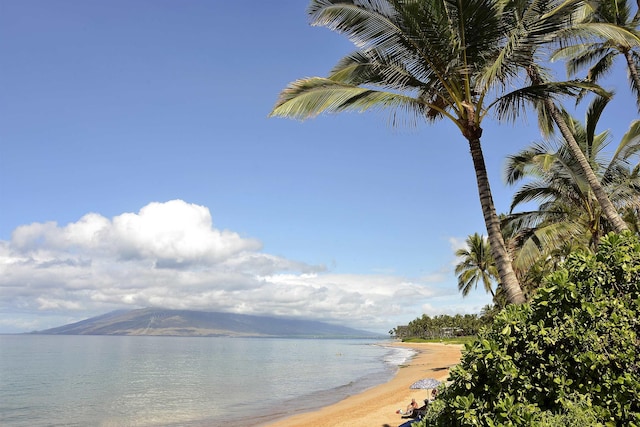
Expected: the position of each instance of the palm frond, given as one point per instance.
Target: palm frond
(508, 105)
(602, 66)
(586, 55)
(522, 221)
(536, 191)
(594, 112)
(629, 144)
(310, 97)
(546, 123)
(544, 241)
(367, 67)
(614, 34)
(528, 162)
(365, 23)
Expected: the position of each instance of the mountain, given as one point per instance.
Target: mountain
(162, 322)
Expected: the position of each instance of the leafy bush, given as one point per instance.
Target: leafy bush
(577, 341)
(577, 413)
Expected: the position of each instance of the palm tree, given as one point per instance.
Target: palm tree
(601, 51)
(527, 37)
(568, 210)
(476, 266)
(426, 60)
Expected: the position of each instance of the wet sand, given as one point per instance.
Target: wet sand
(377, 406)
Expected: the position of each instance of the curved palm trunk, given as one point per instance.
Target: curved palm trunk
(607, 207)
(633, 71)
(498, 248)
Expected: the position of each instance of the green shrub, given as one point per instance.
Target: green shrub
(578, 412)
(577, 341)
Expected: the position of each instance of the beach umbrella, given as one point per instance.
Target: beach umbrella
(425, 383)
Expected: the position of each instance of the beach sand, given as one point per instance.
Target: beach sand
(377, 406)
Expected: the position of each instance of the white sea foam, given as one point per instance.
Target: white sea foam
(398, 355)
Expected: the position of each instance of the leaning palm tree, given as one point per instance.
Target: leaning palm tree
(425, 60)
(528, 37)
(476, 265)
(599, 51)
(568, 210)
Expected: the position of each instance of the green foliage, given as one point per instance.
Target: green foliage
(577, 341)
(578, 413)
(476, 265)
(442, 326)
(453, 340)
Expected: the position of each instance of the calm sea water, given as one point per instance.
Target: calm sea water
(172, 381)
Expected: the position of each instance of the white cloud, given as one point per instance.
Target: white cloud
(176, 232)
(171, 255)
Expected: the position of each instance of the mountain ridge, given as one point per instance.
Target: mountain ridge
(189, 323)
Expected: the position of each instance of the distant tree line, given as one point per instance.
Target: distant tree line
(442, 326)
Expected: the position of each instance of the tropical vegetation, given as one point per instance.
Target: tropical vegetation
(441, 326)
(560, 343)
(599, 53)
(477, 266)
(425, 60)
(572, 353)
(527, 15)
(568, 216)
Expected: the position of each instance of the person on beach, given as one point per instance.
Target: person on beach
(410, 407)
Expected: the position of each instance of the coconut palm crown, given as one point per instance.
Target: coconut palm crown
(425, 60)
(608, 30)
(476, 265)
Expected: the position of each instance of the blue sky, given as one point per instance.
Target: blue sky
(138, 167)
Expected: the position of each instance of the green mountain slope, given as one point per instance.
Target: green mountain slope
(162, 322)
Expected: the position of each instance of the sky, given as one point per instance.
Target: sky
(139, 168)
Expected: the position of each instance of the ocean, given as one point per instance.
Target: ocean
(55, 380)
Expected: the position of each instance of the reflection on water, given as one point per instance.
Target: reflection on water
(170, 381)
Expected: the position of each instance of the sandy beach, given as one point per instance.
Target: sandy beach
(377, 406)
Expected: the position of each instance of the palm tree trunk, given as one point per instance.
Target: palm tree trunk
(607, 207)
(608, 210)
(508, 277)
(633, 71)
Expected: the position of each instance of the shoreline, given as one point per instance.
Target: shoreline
(377, 406)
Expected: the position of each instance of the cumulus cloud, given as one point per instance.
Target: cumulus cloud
(171, 255)
(176, 233)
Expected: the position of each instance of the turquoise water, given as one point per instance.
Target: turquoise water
(172, 381)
